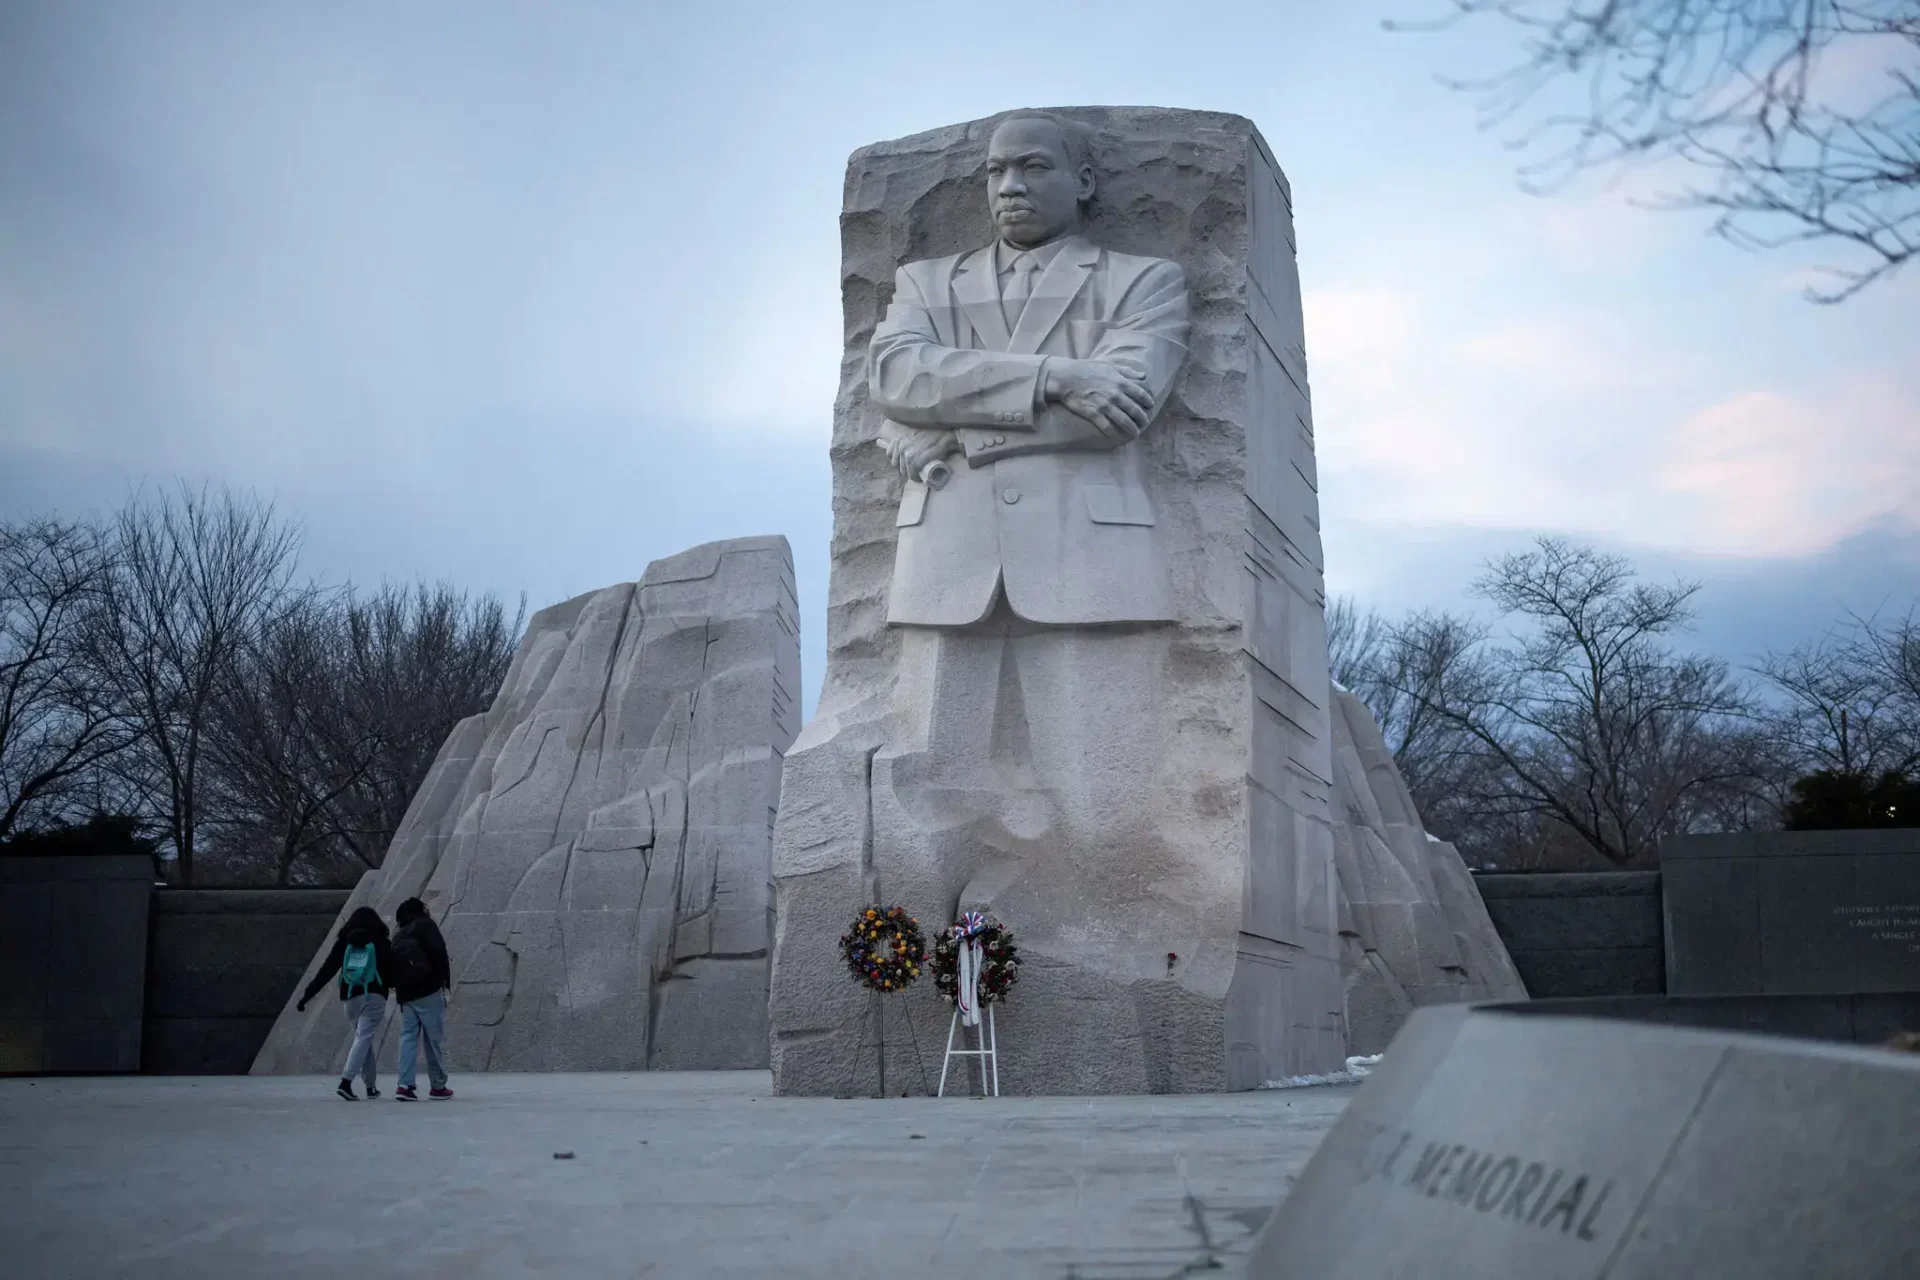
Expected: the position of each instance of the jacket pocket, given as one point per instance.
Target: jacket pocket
(913, 505)
(1117, 504)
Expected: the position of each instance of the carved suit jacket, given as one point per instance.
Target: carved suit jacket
(1041, 503)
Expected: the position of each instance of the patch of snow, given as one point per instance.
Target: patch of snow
(1357, 1070)
(1342, 688)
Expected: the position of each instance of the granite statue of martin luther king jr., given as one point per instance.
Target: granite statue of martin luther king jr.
(1018, 378)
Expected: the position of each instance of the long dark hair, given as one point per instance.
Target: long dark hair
(364, 920)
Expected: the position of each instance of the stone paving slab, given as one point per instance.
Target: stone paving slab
(697, 1174)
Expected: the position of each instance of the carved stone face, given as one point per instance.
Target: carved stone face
(1032, 187)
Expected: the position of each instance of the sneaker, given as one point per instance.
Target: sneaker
(372, 1092)
(345, 1090)
(440, 1093)
(405, 1093)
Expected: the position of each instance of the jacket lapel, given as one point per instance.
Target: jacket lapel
(1053, 293)
(978, 294)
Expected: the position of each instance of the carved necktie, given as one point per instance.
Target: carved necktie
(1019, 288)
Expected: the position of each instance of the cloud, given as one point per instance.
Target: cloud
(1769, 473)
(1583, 420)
(1345, 325)
(1423, 415)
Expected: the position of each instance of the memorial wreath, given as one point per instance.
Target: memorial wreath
(998, 958)
(884, 948)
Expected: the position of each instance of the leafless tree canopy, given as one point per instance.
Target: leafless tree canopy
(1803, 116)
(168, 666)
(332, 717)
(1575, 729)
(196, 576)
(57, 724)
(1849, 701)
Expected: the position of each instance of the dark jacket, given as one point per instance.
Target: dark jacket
(424, 931)
(362, 927)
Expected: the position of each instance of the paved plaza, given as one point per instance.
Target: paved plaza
(671, 1174)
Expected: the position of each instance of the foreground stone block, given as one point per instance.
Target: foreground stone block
(1489, 1144)
(595, 846)
(1413, 928)
(1082, 684)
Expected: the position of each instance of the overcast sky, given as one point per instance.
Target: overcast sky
(524, 296)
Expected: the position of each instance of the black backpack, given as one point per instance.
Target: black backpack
(412, 967)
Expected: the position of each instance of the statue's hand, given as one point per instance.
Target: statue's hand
(912, 453)
(1119, 406)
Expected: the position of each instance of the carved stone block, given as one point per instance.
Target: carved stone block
(1112, 731)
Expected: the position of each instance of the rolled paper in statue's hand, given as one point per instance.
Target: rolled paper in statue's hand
(934, 475)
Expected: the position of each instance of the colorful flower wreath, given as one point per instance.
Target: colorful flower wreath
(884, 948)
(999, 958)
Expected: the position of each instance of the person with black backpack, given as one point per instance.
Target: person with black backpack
(362, 956)
(422, 976)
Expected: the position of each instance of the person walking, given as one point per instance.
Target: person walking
(362, 957)
(422, 978)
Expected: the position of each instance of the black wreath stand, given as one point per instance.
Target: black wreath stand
(884, 951)
(873, 1031)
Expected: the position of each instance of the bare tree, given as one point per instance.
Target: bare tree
(1398, 671)
(283, 742)
(1839, 711)
(1846, 724)
(1890, 651)
(1354, 642)
(196, 576)
(1583, 717)
(56, 724)
(330, 716)
(419, 660)
(1803, 116)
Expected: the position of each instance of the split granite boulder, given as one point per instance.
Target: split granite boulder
(595, 845)
(1413, 928)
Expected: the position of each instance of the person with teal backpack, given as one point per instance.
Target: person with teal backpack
(362, 957)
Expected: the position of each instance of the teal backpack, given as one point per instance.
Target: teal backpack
(358, 970)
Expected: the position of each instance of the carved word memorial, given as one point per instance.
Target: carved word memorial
(1567, 1149)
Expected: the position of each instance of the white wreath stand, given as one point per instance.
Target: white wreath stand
(967, 1011)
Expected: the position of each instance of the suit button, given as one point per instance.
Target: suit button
(1009, 496)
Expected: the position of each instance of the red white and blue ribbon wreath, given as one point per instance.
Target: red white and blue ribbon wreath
(974, 964)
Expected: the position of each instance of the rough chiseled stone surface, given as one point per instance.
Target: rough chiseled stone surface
(595, 846)
(1180, 932)
(1413, 928)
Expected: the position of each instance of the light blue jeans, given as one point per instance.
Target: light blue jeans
(365, 1013)
(424, 1019)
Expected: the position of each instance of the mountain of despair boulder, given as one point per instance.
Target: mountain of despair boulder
(595, 846)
